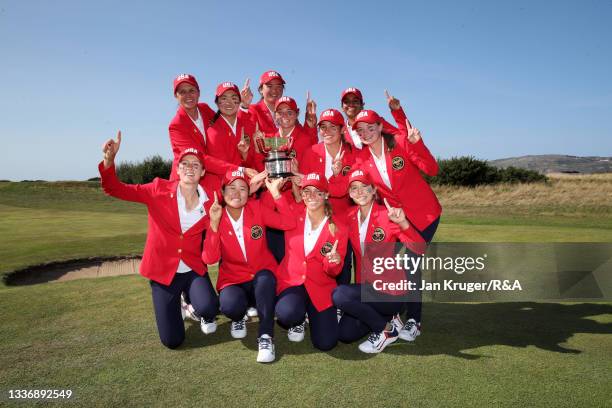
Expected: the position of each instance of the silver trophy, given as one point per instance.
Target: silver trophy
(278, 159)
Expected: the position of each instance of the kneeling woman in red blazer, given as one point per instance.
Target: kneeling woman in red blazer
(373, 229)
(178, 216)
(395, 163)
(246, 272)
(314, 250)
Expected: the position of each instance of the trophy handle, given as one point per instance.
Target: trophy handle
(261, 145)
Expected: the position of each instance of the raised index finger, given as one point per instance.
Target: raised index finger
(387, 204)
(335, 247)
(387, 95)
(307, 96)
(119, 137)
(247, 83)
(215, 194)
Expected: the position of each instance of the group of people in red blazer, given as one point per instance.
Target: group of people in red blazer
(286, 247)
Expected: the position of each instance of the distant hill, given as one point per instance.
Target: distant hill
(556, 163)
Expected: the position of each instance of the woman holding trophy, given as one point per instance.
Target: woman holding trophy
(247, 273)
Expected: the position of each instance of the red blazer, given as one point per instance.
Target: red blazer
(261, 114)
(313, 161)
(380, 229)
(303, 138)
(408, 188)
(400, 117)
(184, 133)
(224, 245)
(166, 243)
(313, 271)
(221, 143)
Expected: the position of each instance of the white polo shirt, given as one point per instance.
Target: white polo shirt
(199, 124)
(238, 226)
(311, 236)
(363, 228)
(381, 164)
(329, 161)
(189, 218)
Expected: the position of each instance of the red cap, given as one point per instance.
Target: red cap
(331, 115)
(366, 116)
(268, 76)
(226, 86)
(360, 175)
(316, 180)
(190, 79)
(289, 101)
(192, 151)
(234, 175)
(353, 91)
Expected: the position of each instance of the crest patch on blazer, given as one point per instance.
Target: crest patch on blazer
(326, 248)
(378, 234)
(345, 170)
(397, 163)
(256, 232)
(292, 153)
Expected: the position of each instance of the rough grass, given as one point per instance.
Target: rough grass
(562, 195)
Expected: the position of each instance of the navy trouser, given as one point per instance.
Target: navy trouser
(413, 309)
(276, 243)
(360, 318)
(260, 291)
(167, 304)
(344, 278)
(291, 307)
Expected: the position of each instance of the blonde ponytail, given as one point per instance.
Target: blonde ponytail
(328, 213)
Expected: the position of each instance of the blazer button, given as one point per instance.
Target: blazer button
(304, 263)
(181, 236)
(180, 250)
(303, 276)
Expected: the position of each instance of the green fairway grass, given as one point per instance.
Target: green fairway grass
(98, 338)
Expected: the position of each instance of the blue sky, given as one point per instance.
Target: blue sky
(490, 79)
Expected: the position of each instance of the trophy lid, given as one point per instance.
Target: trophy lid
(275, 143)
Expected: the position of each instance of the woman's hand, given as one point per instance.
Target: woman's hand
(295, 166)
(246, 96)
(296, 182)
(258, 138)
(249, 172)
(337, 164)
(257, 181)
(215, 214)
(311, 111)
(396, 216)
(274, 186)
(332, 256)
(110, 150)
(394, 103)
(414, 135)
(243, 145)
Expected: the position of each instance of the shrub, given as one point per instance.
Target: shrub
(518, 175)
(145, 171)
(469, 171)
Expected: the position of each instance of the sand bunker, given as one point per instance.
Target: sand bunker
(74, 269)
